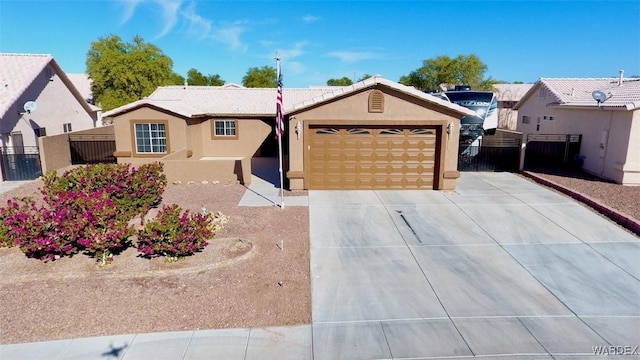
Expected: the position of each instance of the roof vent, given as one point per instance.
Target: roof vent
(376, 101)
(621, 77)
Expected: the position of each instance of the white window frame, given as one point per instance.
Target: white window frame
(229, 128)
(156, 142)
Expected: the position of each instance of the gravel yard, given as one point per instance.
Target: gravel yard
(243, 279)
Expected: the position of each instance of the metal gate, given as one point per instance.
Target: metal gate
(20, 163)
(494, 153)
(552, 150)
(92, 149)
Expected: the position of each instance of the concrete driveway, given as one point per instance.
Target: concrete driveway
(501, 267)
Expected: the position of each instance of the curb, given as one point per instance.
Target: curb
(618, 217)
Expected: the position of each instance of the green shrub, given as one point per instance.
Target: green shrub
(175, 233)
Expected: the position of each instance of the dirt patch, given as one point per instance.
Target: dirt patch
(242, 279)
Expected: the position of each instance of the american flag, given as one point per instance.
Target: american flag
(279, 117)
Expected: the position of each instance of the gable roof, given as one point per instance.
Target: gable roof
(199, 101)
(511, 92)
(576, 92)
(19, 71)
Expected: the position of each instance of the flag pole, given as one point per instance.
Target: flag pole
(279, 127)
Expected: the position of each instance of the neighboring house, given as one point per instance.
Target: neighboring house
(375, 134)
(54, 105)
(83, 83)
(610, 130)
(508, 96)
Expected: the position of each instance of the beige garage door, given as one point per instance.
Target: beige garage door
(371, 157)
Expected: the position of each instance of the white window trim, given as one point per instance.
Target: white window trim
(151, 138)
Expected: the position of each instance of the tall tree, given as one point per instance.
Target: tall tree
(463, 69)
(344, 81)
(126, 72)
(195, 77)
(264, 77)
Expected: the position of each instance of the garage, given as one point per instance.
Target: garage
(372, 157)
(375, 134)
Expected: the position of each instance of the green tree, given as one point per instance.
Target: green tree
(344, 81)
(463, 69)
(195, 77)
(126, 72)
(264, 77)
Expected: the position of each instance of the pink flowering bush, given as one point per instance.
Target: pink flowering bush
(133, 191)
(175, 233)
(41, 232)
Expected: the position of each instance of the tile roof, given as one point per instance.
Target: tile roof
(576, 92)
(194, 101)
(511, 92)
(82, 82)
(19, 71)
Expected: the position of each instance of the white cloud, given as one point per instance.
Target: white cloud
(308, 19)
(169, 14)
(129, 9)
(353, 56)
(230, 35)
(198, 26)
(296, 51)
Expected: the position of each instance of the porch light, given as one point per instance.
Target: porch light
(298, 129)
(450, 128)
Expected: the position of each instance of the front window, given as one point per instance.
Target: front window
(225, 128)
(151, 138)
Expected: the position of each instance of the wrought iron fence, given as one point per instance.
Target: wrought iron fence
(92, 149)
(493, 154)
(20, 163)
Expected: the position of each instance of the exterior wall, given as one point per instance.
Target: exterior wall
(606, 134)
(176, 130)
(251, 133)
(56, 106)
(192, 153)
(399, 109)
(227, 170)
(631, 167)
(54, 150)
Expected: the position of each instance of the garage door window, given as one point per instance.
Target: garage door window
(422, 132)
(327, 131)
(358, 132)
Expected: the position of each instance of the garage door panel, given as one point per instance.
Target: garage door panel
(371, 158)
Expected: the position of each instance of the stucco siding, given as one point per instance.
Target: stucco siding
(176, 130)
(606, 134)
(399, 110)
(251, 133)
(56, 106)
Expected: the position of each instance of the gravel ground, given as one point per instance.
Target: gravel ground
(624, 199)
(243, 279)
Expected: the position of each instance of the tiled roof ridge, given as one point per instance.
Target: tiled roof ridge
(26, 54)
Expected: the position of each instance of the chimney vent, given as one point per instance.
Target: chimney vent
(621, 78)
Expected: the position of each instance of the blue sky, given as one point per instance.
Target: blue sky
(320, 40)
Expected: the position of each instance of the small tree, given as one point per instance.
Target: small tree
(463, 69)
(264, 77)
(195, 77)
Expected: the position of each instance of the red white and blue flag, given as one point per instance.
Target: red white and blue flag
(279, 117)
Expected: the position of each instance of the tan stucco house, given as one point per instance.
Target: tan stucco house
(375, 134)
(610, 130)
(508, 96)
(54, 104)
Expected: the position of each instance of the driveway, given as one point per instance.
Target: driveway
(501, 266)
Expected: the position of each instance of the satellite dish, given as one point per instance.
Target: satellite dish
(599, 96)
(30, 106)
